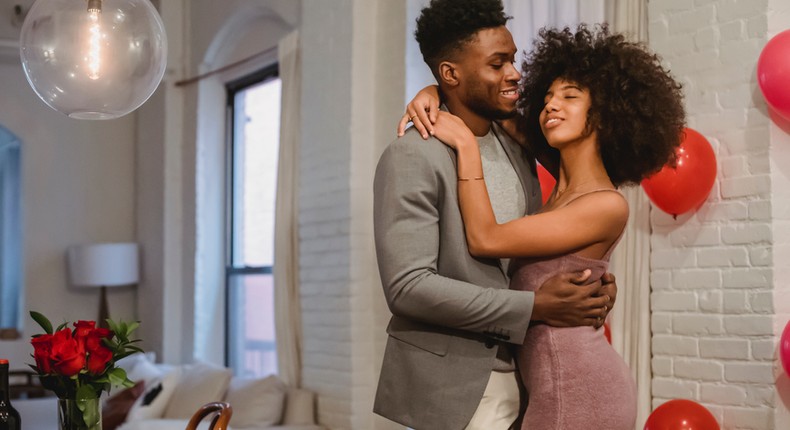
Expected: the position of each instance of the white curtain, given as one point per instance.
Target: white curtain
(630, 320)
(531, 16)
(288, 320)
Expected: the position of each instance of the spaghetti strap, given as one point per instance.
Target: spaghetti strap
(590, 192)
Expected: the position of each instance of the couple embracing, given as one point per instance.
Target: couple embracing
(497, 301)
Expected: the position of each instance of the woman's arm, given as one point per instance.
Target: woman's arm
(589, 220)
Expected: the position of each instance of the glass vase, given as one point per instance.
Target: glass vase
(83, 414)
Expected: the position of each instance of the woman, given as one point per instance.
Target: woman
(614, 115)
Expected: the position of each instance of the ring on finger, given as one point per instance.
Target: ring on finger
(411, 118)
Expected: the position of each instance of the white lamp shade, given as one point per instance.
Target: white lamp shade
(104, 264)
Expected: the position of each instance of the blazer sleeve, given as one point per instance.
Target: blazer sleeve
(407, 195)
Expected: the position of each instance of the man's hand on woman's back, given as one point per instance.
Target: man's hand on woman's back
(566, 300)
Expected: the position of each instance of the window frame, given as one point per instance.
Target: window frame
(231, 89)
(11, 220)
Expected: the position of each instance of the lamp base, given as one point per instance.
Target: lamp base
(104, 309)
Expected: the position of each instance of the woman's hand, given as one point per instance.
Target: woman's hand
(421, 111)
(452, 131)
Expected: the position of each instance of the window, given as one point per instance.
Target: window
(10, 236)
(254, 118)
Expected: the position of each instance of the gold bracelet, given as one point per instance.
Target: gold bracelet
(471, 179)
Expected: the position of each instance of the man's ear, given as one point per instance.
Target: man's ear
(448, 73)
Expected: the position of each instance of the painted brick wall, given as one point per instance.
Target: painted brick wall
(325, 210)
(352, 98)
(713, 273)
(778, 21)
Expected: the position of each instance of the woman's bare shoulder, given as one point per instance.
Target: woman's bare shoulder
(608, 205)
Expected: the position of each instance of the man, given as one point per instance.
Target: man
(447, 363)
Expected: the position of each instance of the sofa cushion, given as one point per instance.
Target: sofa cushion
(256, 402)
(116, 408)
(299, 407)
(201, 383)
(157, 395)
(163, 424)
(144, 369)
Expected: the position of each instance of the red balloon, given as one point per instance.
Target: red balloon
(784, 349)
(681, 414)
(682, 188)
(773, 73)
(547, 182)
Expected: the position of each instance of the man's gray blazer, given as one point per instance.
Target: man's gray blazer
(449, 309)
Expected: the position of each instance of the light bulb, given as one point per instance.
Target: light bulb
(93, 59)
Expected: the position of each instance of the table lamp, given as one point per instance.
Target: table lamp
(103, 265)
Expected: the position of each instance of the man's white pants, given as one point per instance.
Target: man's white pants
(498, 408)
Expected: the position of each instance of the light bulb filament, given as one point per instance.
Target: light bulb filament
(94, 45)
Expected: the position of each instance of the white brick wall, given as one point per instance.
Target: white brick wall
(353, 84)
(779, 162)
(325, 211)
(714, 272)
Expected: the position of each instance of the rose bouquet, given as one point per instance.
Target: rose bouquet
(79, 364)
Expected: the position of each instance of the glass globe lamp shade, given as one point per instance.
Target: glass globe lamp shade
(93, 59)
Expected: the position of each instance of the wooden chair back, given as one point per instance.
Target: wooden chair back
(222, 413)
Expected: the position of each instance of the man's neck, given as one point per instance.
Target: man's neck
(479, 125)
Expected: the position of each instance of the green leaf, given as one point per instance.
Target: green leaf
(100, 380)
(90, 410)
(122, 355)
(132, 327)
(117, 376)
(112, 325)
(86, 392)
(42, 321)
(62, 326)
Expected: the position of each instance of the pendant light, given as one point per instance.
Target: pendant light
(93, 59)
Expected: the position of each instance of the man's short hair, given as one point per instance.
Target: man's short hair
(446, 25)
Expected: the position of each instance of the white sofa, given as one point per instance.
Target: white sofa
(173, 393)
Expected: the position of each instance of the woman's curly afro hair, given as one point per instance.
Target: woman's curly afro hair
(445, 25)
(636, 105)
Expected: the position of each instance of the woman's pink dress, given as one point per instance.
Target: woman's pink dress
(573, 377)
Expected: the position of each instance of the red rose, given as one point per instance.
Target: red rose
(82, 329)
(94, 338)
(68, 355)
(42, 352)
(98, 359)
